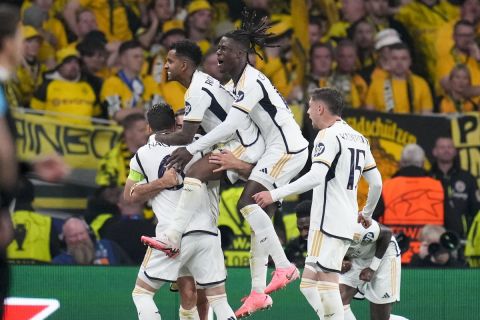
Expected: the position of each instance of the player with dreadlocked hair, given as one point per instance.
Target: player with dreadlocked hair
(286, 153)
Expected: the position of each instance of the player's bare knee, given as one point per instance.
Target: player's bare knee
(380, 311)
(245, 200)
(215, 290)
(188, 298)
(144, 285)
(309, 272)
(195, 172)
(188, 292)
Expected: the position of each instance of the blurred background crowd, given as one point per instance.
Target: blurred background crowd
(101, 61)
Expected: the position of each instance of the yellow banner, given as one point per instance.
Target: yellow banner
(80, 145)
(466, 136)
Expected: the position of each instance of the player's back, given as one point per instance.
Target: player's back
(152, 159)
(256, 96)
(206, 101)
(364, 242)
(347, 153)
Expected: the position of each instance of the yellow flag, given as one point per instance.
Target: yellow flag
(299, 13)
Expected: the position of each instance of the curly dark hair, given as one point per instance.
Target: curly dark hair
(160, 117)
(252, 33)
(189, 50)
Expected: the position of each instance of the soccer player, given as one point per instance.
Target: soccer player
(207, 103)
(202, 255)
(372, 268)
(340, 156)
(285, 155)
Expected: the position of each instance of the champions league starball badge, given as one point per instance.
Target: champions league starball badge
(319, 149)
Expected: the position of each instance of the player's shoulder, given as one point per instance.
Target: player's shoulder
(329, 133)
(347, 133)
(251, 78)
(155, 147)
(202, 80)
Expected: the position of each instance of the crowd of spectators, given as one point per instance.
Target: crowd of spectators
(86, 59)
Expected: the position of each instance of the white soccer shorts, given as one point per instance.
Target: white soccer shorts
(201, 257)
(277, 168)
(325, 251)
(385, 285)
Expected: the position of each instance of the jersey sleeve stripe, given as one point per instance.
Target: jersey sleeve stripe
(192, 120)
(316, 160)
(141, 167)
(241, 108)
(369, 168)
(215, 107)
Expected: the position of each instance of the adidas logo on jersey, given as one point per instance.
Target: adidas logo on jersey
(263, 240)
(264, 170)
(386, 295)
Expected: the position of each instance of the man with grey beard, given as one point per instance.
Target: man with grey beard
(82, 248)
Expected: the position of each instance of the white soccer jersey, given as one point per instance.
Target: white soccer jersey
(150, 160)
(206, 101)
(256, 96)
(347, 154)
(364, 242)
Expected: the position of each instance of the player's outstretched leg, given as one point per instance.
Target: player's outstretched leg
(142, 296)
(192, 194)
(266, 238)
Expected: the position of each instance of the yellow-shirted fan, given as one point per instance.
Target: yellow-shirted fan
(72, 100)
(28, 75)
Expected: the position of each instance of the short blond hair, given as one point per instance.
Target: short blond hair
(431, 233)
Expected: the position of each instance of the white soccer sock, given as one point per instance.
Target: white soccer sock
(191, 196)
(348, 313)
(258, 266)
(191, 314)
(265, 234)
(331, 299)
(146, 308)
(220, 306)
(308, 287)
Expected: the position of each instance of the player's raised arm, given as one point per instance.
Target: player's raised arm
(235, 120)
(307, 182)
(323, 155)
(179, 138)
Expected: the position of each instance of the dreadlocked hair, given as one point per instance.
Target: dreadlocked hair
(252, 32)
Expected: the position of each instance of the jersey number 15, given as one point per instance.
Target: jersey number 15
(354, 166)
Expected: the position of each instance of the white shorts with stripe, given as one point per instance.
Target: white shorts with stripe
(277, 168)
(248, 145)
(201, 257)
(385, 285)
(325, 251)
